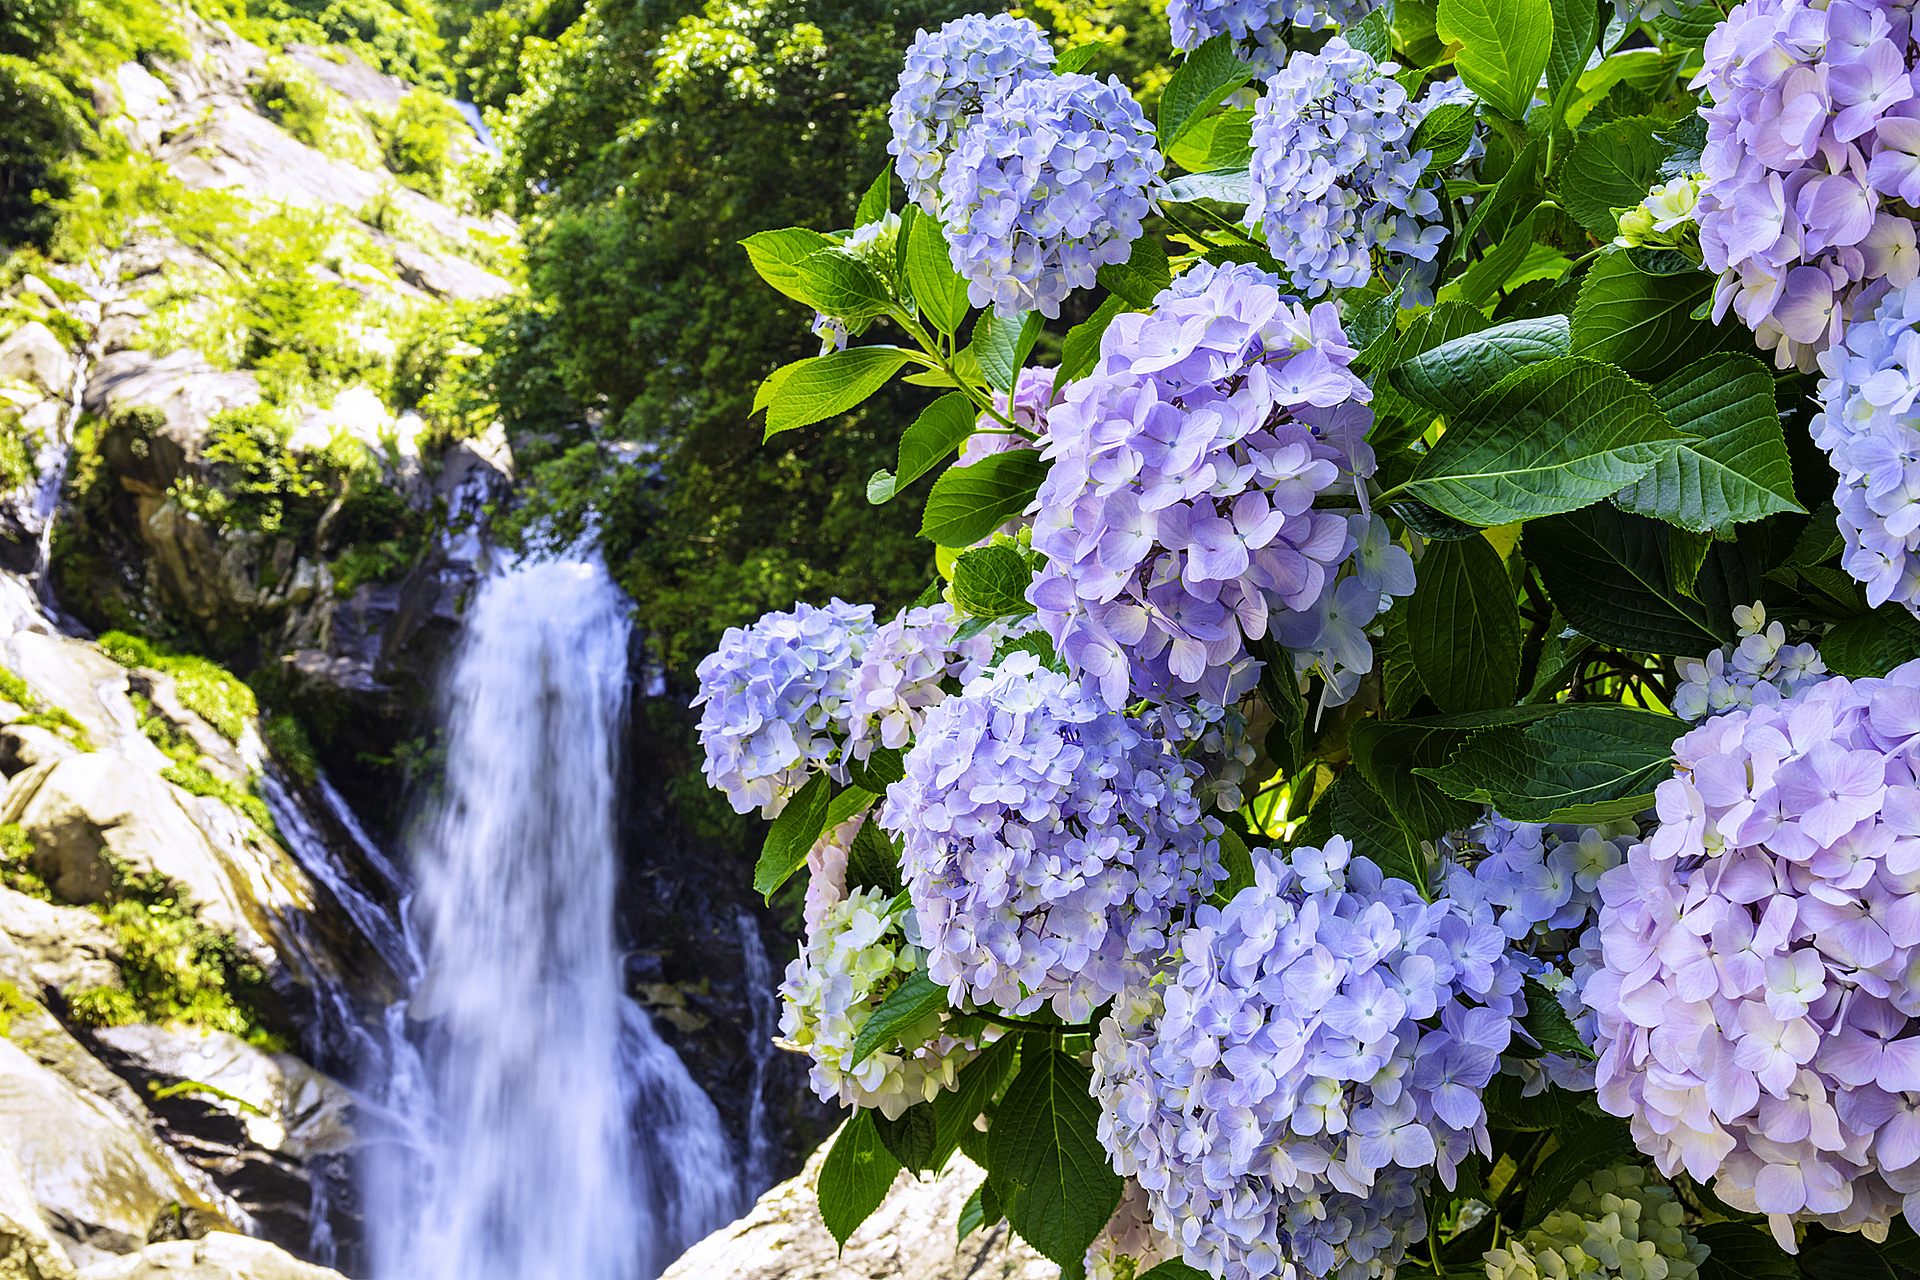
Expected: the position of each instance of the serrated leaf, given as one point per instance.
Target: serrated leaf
(1398, 421)
(941, 428)
(1644, 323)
(1371, 37)
(843, 285)
(1229, 186)
(1549, 437)
(792, 834)
(970, 502)
(1400, 679)
(909, 1139)
(1143, 275)
(906, 1006)
(1002, 343)
(1591, 763)
(1504, 48)
(873, 860)
(1681, 143)
(1049, 1168)
(1873, 643)
(1743, 1251)
(1076, 58)
(1573, 40)
(1608, 572)
(1549, 1026)
(1388, 752)
(1614, 167)
(1200, 83)
(1361, 815)
(1371, 317)
(1463, 627)
(980, 1080)
(1592, 1144)
(855, 1178)
(776, 255)
(831, 384)
(1174, 1269)
(1447, 378)
(991, 582)
(1508, 1108)
(1498, 265)
(878, 201)
(1286, 742)
(770, 385)
(938, 289)
(1081, 349)
(1447, 131)
(1689, 26)
(1237, 860)
(881, 487)
(1223, 140)
(1738, 469)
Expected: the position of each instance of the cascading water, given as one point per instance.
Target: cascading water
(542, 1131)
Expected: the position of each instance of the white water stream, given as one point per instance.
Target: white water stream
(535, 1127)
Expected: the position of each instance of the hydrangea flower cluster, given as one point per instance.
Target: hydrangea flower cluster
(1755, 1012)
(1616, 1223)
(1812, 133)
(1870, 428)
(1331, 635)
(1214, 740)
(1045, 187)
(1666, 218)
(1762, 668)
(902, 671)
(1335, 179)
(1258, 27)
(851, 960)
(772, 695)
(948, 77)
(1179, 508)
(1305, 1059)
(1049, 842)
(1128, 1246)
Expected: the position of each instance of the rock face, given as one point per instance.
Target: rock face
(218, 1256)
(909, 1237)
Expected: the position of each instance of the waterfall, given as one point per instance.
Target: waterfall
(542, 1131)
(763, 1154)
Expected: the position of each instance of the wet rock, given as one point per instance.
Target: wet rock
(35, 356)
(220, 1255)
(909, 1237)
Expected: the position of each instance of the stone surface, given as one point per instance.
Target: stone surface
(65, 948)
(182, 385)
(28, 1250)
(35, 356)
(909, 1237)
(24, 745)
(220, 1255)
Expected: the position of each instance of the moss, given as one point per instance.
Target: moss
(61, 721)
(207, 689)
(16, 690)
(192, 776)
(291, 747)
(16, 867)
(418, 142)
(13, 1003)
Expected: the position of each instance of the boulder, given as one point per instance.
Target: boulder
(24, 745)
(28, 1250)
(231, 146)
(34, 355)
(342, 71)
(182, 385)
(84, 682)
(220, 1255)
(64, 948)
(909, 1237)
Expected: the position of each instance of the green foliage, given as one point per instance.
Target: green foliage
(61, 721)
(205, 688)
(294, 99)
(195, 779)
(253, 477)
(16, 863)
(855, 1177)
(287, 739)
(1048, 1168)
(399, 37)
(421, 141)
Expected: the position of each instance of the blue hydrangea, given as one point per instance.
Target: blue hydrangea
(1045, 187)
(948, 76)
(775, 701)
(1049, 842)
(1761, 667)
(1336, 181)
(1259, 27)
(1304, 1060)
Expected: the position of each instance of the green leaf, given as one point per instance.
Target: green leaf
(1743, 1251)
(1372, 318)
(937, 287)
(1497, 265)
(1573, 39)
(1001, 345)
(1644, 323)
(1371, 37)
(1081, 349)
(1223, 140)
(991, 582)
(1398, 421)
(1688, 27)
(1608, 571)
(1388, 751)
(980, 1080)
(1076, 58)
(1549, 437)
(881, 486)
(1173, 1268)
(1873, 643)
(1447, 131)
(1643, 69)
(1237, 860)
(908, 1004)
(1507, 1108)
(792, 834)
(1589, 1145)
(873, 859)
(1845, 1257)
(1464, 627)
(1229, 186)
(1144, 274)
(1363, 817)
(1400, 679)
(770, 385)
(878, 201)
(1738, 469)
(1504, 48)
(1201, 83)
(982, 1209)
(776, 255)
(941, 428)
(843, 285)
(1614, 167)
(857, 1174)
(831, 384)
(1048, 1165)
(1591, 763)
(968, 503)
(910, 1139)
(1548, 1024)
(1447, 378)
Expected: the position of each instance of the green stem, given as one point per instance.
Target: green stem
(938, 361)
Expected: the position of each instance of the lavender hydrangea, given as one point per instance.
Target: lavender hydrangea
(1870, 428)
(1258, 27)
(1128, 1246)
(948, 77)
(1304, 1061)
(1049, 842)
(1761, 668)
(902, 672)
(1331, 636)
(1028, 406)
(1616, 1223)
(1813, 144)
(773, 696)
(1757, 1006)
(1337, 184)
(1046, 186)
(1179, 510)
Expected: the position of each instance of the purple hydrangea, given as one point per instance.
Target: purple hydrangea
(1336, 182)
(1870, 428)
(901, 673)
(1304, 1060)
(1179, 510)
(1813, 136)
(1032, 398)
(1756, 1011)
(1046, 186)
(1049, 843)
(948, 76)
(775, 701)
(1761, 668)
(1330, 636)
(1258, 27)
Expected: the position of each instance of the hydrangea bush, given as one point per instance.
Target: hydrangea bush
(1398, 768)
